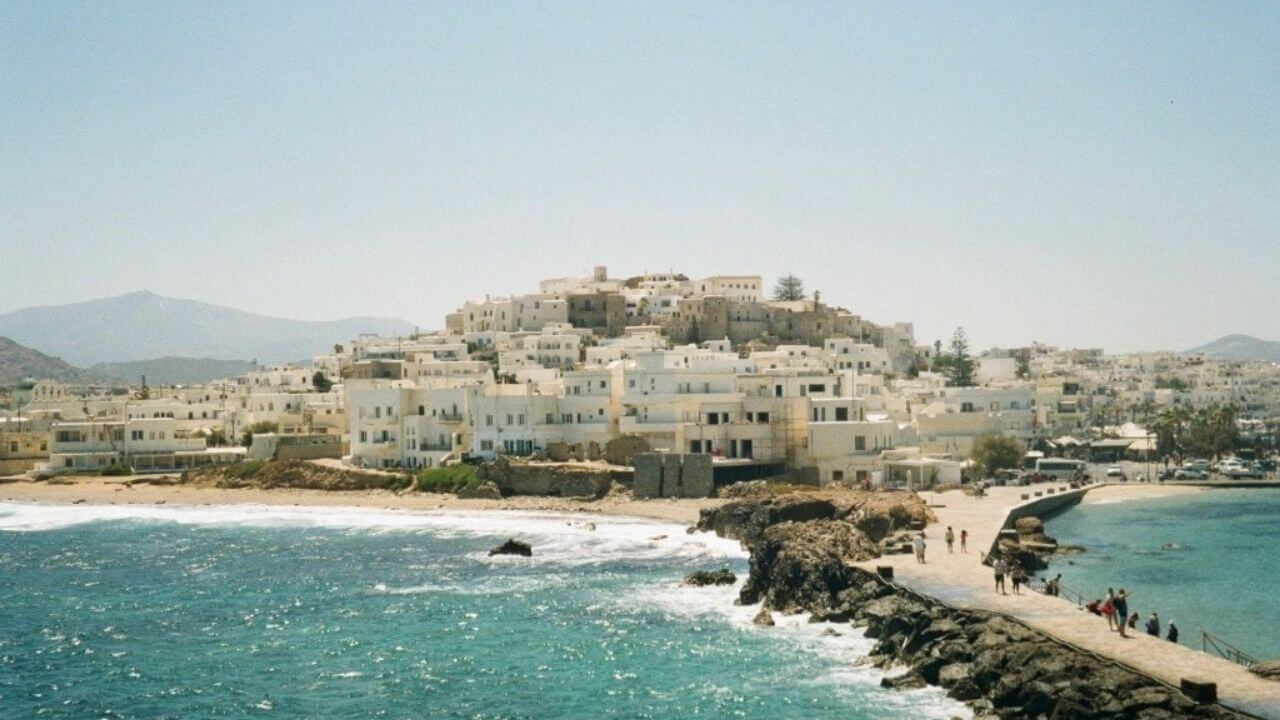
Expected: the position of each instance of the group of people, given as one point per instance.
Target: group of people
(1115, 608)
(918, 544)
(1013, 570)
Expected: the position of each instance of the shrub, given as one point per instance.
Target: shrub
(396, 483)
(448, 479)
(244, 469)
(117, 469)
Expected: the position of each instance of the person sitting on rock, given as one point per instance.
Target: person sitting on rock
(1173, 633)
(1153, 625)
(1094, 606)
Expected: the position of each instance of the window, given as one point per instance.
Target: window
(859, 442)
(136, 435)
(488, 420)
(837, 476)
(486, 444)
(842, 414)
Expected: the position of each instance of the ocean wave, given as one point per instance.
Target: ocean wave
(560, 538)
(843, 646)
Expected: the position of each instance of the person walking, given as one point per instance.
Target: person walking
(1153, 625)
(950, 537)
(1173, 633)
(918, 545)
(964, 541)
(1000, 569)
(1121, 603)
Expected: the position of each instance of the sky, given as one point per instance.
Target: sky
(1081, 174)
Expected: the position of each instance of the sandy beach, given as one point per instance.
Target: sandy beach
(129, 491)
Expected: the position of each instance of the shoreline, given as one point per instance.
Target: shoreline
(129, 491)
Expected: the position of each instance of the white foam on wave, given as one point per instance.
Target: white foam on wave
(844, 650)
(566, 538)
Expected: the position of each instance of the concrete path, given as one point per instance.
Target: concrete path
(962, 581)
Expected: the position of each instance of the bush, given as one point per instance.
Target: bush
(397, 483)
(448, 479)
(117, 469)
(244, 469)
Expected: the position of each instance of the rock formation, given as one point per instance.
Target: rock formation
(711, 577)
(804, 565)
(513, 547)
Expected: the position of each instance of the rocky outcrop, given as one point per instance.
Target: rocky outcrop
(295, 474)
(483, 491)
(513, 547)
(799, 566)
(710, 577)
(764, 618)
(877, 514)
(746, 520)
(516, 477)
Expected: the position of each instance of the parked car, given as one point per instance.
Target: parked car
(1201, 465)
(1242, 471)
(1115, 472)
(1184, 473)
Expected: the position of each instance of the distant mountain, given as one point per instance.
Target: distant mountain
(171, 370)
(1240, 347)
(143, 325)
(18, 363)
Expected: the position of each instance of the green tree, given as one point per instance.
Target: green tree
(217, 437)
(1024, 365)
(992, 452)
(260, 427)
(961, 371)
(320, 382)
(789, 287)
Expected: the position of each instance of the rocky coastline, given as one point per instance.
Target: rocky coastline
(802, 554)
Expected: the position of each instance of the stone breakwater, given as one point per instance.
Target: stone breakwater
(999, 667)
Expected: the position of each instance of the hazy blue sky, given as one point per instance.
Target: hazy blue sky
(1085, 174)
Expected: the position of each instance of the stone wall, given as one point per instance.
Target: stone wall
(673, 475)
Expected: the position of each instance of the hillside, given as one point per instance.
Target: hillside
(1240, 347)
(171, 370)
(18, 363)
(143, 326)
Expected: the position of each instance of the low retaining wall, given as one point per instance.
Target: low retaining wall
(1044, 506)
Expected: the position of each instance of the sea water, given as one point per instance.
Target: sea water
(1207, 561)
(282, 612)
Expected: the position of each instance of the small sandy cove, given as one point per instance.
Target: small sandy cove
(133, 491)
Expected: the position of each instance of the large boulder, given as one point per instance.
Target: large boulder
(710, 577)
(1029, 526)
(621, 450)
(799, 566)
(513, 547)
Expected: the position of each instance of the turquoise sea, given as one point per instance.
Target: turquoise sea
(285, 612)
(1207, 561)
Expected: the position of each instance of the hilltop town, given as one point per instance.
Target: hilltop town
(764, 382)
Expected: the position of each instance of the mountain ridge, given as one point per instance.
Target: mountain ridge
(145, 326)
(18, 363)
(1238, 346)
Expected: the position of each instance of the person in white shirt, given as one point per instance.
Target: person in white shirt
(918, 544)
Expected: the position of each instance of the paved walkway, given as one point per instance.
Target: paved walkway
(960, 580)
